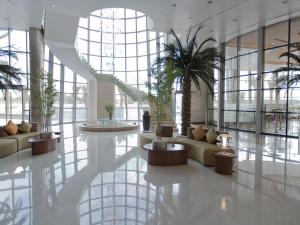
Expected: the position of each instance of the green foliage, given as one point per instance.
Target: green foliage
(160, 94)
(44, 97)
(190, 59)
(289, 76)
(110, 108)
(9, 75)
(186, 62)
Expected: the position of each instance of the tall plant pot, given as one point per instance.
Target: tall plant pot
(146, 121)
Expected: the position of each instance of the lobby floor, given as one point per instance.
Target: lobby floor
(104, 179)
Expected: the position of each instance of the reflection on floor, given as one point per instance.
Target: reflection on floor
(104, 179)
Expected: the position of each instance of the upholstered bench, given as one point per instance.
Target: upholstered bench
(8, 147)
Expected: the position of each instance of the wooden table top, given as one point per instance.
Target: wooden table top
(225, 154)
(170, 147)
(39, 139)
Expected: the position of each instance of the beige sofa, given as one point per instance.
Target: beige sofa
(14, 143)
(198, 150)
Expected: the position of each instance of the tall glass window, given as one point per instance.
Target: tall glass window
(117, 41)
(280, 107)
(15, 103)
(240, 82)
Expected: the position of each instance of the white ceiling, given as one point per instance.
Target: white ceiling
(223, 19)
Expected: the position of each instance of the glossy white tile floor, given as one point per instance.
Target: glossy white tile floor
(104, 179)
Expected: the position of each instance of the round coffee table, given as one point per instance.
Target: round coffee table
(43, 145)
(224, 162)
(173, 155)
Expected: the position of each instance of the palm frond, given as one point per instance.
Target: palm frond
(193, 43)
(178, 42)
(285, 81)
(290, 55)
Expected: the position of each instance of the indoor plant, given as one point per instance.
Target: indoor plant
(45, 98)
(160, 95)
(189, 62)
(110, 110)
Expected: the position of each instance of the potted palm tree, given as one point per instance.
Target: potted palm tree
(189, 62)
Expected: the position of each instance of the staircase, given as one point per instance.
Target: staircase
(134, 93)
(63, 46)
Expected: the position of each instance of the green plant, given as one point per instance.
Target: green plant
(160, 95)
(289, 76)
(9, 75)
(187, 62)
(110, 110)
(45, 97)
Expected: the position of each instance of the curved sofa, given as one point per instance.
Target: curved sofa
(198, 150)
(12, 144)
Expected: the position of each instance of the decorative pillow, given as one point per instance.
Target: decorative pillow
(199, 133)
(11, 128)
(190, 133)
(211, 136)
(25, 127)
(3, 133)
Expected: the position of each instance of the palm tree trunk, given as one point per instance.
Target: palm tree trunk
(186, 104)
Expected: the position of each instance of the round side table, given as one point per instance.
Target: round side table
(224, 162)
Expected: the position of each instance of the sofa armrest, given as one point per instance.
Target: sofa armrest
(35, 127)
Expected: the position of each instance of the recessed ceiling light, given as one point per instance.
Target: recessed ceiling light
(235, 20)
(210, 31)
(190, 17)
(174, 5)
(284, 2)
(53, 5)
(209, 2)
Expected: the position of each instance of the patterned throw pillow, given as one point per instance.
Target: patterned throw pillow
(199, 133)
(211, 136)
(11, 128)
(3, 133)
(25, 127)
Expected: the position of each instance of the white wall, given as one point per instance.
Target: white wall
(105, 93)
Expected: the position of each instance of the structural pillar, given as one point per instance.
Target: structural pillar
(221, 89)
(260, 69)
(36, 44)
(92, 101)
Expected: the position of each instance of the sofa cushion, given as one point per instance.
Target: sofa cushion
(7, 147)
(3, 133)
(199, 133)
(25, 127)
(11, 128)
(22, 139)
(201, 151)
(211, 136)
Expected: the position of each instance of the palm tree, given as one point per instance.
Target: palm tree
(9, 75)
(289, 76)
(186, 63)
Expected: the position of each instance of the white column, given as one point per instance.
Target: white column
(92, 101)
(260, 69)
